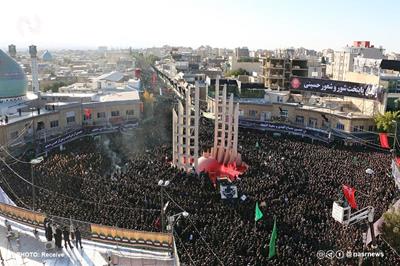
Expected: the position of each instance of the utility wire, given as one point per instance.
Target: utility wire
(13, 192)
(19, 135)
(184, 248)
(197, 230)
(389, 246)
(16, 159)
(363, 142)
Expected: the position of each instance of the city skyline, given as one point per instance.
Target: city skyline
(255, 24)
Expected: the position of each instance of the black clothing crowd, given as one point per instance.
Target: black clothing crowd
(58, 233)
(293, 180)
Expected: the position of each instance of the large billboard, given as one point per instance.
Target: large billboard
(336, 87)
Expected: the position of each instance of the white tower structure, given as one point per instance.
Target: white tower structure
(12, 51)
(185, 132)
(226, 127)
(35, 73)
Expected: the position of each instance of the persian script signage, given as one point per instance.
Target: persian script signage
(336, 87)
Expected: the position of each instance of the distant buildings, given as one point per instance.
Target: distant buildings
(361, 57)
(242, 52)
(277, 101)
(250, 64)
(278, 71)
(35, 117)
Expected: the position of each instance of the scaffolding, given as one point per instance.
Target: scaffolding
(226, 127)
(185, 132)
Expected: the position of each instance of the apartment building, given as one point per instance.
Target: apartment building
(358, 56)
(314, 106)
(278, 71)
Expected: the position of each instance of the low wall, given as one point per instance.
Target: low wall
(96, 232)
(132, 237)
(22, 215)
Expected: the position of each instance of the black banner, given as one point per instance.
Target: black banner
(94, 130)
(63, 139)
(336, 87)
(281, 127)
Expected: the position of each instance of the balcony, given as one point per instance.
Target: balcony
(274, 66)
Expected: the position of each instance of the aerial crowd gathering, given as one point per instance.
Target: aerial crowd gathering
(293, 180)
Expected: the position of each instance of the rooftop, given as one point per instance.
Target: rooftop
(67, 94)
(325, 110)
(93, 253)
(113, 76)
(25, 115)
(121, 96)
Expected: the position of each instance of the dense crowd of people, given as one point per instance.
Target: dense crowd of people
(293, 180)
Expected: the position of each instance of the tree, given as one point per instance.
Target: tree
(148, 97)
(391, 228)
(148, 100)
(55, 86)
(237, 72)
(384, 122)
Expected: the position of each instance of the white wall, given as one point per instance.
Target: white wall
(248, 66)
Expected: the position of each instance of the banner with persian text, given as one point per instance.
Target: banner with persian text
(336, 87)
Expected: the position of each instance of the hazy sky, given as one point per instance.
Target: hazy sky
(265, 24)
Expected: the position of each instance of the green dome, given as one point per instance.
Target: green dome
(13, 81)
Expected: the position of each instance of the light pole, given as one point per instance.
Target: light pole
(33, 162)
(163, 184)
(171, 223)
(174, 218)
(33, 130)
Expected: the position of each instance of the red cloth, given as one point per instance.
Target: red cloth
(157, 223)
(87, 113)
(214, 169)
(383, 137)
(398, 161)
(349, 193)
(154, 78)
(191, 160)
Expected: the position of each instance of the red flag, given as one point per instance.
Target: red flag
(384, 140)
(398, 161)
(87, 113)
(349, 194)
(157, 223)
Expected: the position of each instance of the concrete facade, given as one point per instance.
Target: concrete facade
(308, 116)
(278, 71)
(344, 61)
(65, 117)
(250, 67)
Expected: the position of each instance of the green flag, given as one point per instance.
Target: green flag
(257, 145)
(272, 242)
(259, 214)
